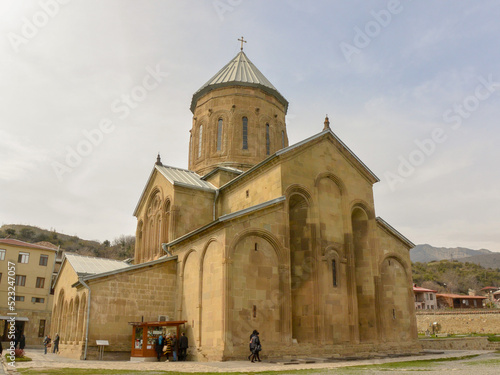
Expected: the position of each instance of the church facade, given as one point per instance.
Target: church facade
(279, 238)
(259, 234)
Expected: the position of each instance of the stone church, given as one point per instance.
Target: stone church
(255, 234)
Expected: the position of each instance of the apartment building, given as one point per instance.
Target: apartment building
(25, 289)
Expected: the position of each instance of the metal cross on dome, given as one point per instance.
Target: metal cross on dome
(242, 41)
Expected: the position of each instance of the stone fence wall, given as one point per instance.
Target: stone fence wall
(460, 322)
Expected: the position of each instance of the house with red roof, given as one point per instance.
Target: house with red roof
(425, 299)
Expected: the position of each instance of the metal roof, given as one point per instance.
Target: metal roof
(84, 265)
(178, 176)
(239, 71)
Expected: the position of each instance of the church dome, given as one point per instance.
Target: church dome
(239, 71)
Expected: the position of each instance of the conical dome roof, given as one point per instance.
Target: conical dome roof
(240, 71)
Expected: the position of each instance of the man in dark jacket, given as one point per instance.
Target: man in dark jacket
(183, 345)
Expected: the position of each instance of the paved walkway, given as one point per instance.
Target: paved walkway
(50, 360)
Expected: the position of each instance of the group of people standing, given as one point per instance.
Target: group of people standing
(171, 345)
(47, 343)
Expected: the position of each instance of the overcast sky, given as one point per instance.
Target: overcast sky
(92, 90)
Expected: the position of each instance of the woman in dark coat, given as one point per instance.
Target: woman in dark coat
(159, 347)
(255, 347)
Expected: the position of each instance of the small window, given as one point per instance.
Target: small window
(200, 136)
(431, 296)
(2, 254)
(247, 193)
(245, 133)
(41, 328)
(256, 247)
(37, 300)
(254, 311)
(44, 260)
(219, 135)
(40, 282)
(394, 314)
(23, 258)
(268, 141)
(19, 298)
(334, 272)
(20, 280)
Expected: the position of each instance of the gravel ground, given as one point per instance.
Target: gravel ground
(486, 363)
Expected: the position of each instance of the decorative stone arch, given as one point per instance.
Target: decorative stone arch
(71, 320)
(361, 223)
(225, 115)
(184, 259)
(268, 236)
(166, 221)
(75, 317)
(64, 321)
(237, 135)
(390, 306)
(83, 314)
(59, 311)
(404, 263)
(359, 203)
(337, 180)
(151, 232)
(334, 253)
(283, 297)
(200, 283)
(301, 190)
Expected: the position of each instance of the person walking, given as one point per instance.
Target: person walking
(56, 344)
(46, 343)
(250, 344)
(22, 342)
(183, 345)
(255, 347)
(174, 344)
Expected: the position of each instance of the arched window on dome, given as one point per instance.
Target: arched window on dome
(219, 135)
(268, 141)
(282, 139)
(245, 133)
(200, 137)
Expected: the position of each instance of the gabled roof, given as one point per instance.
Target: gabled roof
(325, 133)
(177, 177)
(130, 267)
(84, 265)
(184, 177)
(240, 71)
(389, 228)
(422, 290)
(11, 241)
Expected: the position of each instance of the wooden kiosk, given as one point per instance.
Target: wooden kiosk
(144, 335)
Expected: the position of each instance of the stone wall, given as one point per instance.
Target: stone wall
(461, 322)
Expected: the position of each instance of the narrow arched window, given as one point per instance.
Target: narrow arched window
(245, 133)
(334, 272)
(282, 139)
(219, 135)
(268, 141)
(200, 136)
